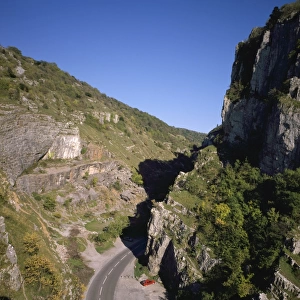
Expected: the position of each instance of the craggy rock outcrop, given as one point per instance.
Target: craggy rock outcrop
(168, 239)
(282, 286)
(294, 245)
(56, 177)
(9, 274)
(27, 137)
(261, 118)
(67, 145)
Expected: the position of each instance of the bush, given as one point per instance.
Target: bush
(11, 73)
(137, 178)
(15, 50)
(94, 181)
(49, 203)
(36, 196)
(4, 84)
(83, 150)
(45, 106)
(57, 215)
(117, 185)
(24, 87)
(31, 243)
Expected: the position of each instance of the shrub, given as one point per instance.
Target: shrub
(117, 185)
(24, 87)
(86, 175)
(93, 122)
(13, 93)
(94, 181)
(83, 150)
(137, 178)
(49, 203)
(4, 84)
(15, 50)
(36, 196)
(57, 215)
(11, 73)
(31, 243)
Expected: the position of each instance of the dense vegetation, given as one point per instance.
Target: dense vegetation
(245, 217)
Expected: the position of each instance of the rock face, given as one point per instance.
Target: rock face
(294, 245)
(282, 287)
(66, 145)
(168, 241)
(9, 267)
(106, 173)
(260, 113)
(27, 137)
(165, 258)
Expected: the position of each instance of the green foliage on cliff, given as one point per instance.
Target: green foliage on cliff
(247, 51)
(287, 11)
(244, 216)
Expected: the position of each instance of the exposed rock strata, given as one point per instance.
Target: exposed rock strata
(56, 177)
(168, 240)
(9, 262)
(26, 138)
(294, 245)
(281, 286)
(66, 145)
(267, 130)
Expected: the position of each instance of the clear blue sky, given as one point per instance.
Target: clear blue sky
(169, 58)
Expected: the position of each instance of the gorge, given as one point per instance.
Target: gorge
(220, 212)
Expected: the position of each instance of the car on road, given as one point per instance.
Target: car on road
(147, 282)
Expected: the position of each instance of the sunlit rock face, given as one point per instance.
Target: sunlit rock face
(10, 272)
(25, 138)
(263, 121)
(67, 145)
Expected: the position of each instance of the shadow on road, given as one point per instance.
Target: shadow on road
(136, 245)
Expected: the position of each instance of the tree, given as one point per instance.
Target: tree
(117, 226)
(221, 211)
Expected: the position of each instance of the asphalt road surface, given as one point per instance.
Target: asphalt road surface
(104, 284)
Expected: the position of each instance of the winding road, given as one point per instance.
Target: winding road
(104, 283)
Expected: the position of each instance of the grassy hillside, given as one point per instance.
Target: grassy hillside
(50, 229)
(128, 133)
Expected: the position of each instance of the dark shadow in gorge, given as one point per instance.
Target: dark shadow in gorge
(159, 175)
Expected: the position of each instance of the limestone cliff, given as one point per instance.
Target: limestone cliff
(169, 241)
(261, 123)
(261, 114)
(9, 273)
(28, 137)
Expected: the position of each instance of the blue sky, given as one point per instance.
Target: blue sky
(169, 58)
